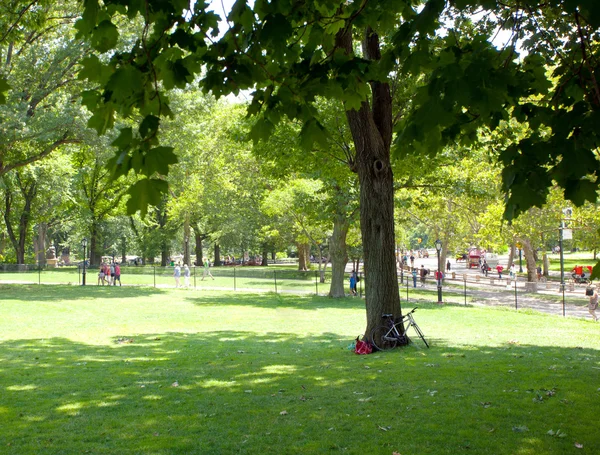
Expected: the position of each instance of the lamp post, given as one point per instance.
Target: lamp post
(438, 249)
(84, 245)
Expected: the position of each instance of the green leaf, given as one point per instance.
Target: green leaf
(125, 85)
(312, 132)
(158, 160)
(103, 118)
(124, 140)
(149, 126)
(93, 70)
(144, 193)
(4, 87)
(105, 36)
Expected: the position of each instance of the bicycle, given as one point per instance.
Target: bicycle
(388, 335)
(578, 279)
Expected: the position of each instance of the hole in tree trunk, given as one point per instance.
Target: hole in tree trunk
(378, 165)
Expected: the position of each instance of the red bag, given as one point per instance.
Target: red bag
(363, 347)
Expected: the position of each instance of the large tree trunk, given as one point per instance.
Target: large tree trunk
(529, 259)
(372, 134)
(217, 261)
(40, 244)
(123, 250)
(186, 241)
(339, 256)
(164, 254)
(302, 257)
(511, 255)
(265, 260)
(94, 255)
(198, 237)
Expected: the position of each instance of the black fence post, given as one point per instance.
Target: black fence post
(317, 282)
(465, 281)
(78, 274)
(275, 276)
(407, 280)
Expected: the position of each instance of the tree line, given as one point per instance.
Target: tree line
(380, 115)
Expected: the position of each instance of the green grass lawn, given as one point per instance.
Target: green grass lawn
(570, 260)
(163, 371)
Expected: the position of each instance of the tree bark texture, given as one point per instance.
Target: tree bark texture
(198, 238)
(265, 260)
(186, 244)
(302, 248)
(41, 243)
(94, 256)
(371, 130)
(339, 256)
(511, 255)
(217, 261)
(529, 259)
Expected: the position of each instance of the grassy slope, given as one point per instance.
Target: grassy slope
(145, 371)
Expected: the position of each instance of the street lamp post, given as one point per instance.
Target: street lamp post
(520, 260)
(84, 245)
(438, 249)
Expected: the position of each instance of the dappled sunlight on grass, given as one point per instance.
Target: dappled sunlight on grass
(270, 374)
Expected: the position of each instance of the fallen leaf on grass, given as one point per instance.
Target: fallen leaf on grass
(579, 446)
(175, 384)
(385, 428)
(283, 413)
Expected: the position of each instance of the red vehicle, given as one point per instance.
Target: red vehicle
(475, 255)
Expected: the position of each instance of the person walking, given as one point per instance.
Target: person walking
(186, 275)
(101, 274)
(117, 274)
(414, 277)
(353, 279)
(206, 270)
(499, 269)
(593, 306)
(177, 275)
(439, 277)
(424, 272)
(448, 266)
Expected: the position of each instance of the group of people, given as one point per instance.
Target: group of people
(109, 274)
(177, 272)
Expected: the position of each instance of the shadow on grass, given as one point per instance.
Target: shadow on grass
(35, 292)
(242, 392)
